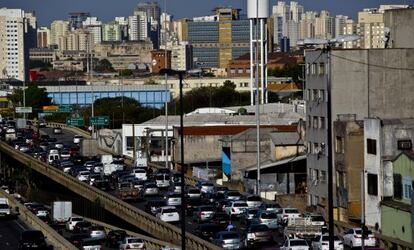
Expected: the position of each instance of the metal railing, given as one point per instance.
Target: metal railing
(57, 240)
(123, 210)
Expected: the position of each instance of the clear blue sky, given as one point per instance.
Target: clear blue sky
(48, 10)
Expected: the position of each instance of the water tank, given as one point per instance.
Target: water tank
(263, 10)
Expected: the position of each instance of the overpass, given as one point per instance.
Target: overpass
(123, 210)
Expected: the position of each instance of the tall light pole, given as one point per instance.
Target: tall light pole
(166, 86)
(327, 46)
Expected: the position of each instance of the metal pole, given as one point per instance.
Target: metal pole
(262, 78)
(134, 154)
(24, 99)
(251, 63)
(257, 100)
(92, 115)
(329, 146)
(166, 86)
(362, 207)
(183, 201)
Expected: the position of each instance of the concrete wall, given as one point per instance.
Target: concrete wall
(281, 152)
(198, 148)
(398, 223)
(400, 22)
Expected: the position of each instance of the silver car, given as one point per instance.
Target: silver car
(228, 240)
(149, 189)
(173, 199)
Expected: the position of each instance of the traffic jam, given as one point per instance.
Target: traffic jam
(227, 218)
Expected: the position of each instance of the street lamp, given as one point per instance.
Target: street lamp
(328, 44)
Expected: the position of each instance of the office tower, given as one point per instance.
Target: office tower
(43, 37)
(94, 27)
(58, 29)
(16, 40)
(138, 26)
(153, 13)
(76, 19)
(166, 28)
(111, 32)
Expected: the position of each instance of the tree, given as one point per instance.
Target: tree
(104, 66)
(35, 97)
(126, 72)
(229, 84)
(293, 70)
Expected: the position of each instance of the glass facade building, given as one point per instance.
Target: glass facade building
(148, 96)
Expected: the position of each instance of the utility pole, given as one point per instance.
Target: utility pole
(362, 208)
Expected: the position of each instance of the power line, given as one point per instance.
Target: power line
(370, 64)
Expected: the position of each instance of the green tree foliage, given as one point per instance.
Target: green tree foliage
(104, 66)
(35, 97)
(126, 72)
(293, 70)
(120, 110)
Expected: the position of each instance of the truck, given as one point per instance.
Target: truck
(88, 147)
(127, 191)
(302, 228)
(115, 165)
(61, 211)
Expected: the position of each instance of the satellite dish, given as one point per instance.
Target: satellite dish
(320, 41)
(345, 38)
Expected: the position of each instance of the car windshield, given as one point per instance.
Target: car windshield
(358, 231)
(160, 177)
(240, 204)
(233, 194)
(135, 241)
(151, 186)
(298, 243)
(326, 238)
(254, 198)
(259, 228)
(207, 184)
(157, 203)
(4, 206)
(32, 236)
(169, 210)
(207, 208)
(291, 211)
(317, 218)
(230, 236)
(269, 216)
(194, 191)
(77, 219)
(252, 211)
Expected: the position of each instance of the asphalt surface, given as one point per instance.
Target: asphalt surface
(10, 231)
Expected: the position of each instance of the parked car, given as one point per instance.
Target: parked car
(322, 243)
(203, 213)
(353, 238)
(228, 240)
(132, 243)
(295, 244)
(257, 233)
(115, 237)
(168, 214)
(32, 239)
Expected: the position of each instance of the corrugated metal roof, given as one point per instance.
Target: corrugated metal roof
(286, 138)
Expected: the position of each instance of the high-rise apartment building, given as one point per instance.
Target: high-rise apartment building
(286, 20)
(324, 25)
(181, 57)
(138, 26)
(58, 29)
(340, 23)
(94, 27)
(17, 37)
(43, 37)
(153, 13)
(123, 24)
(76, 19)
(79, 39)
(216, 42)
(111, 32)
(166, 33)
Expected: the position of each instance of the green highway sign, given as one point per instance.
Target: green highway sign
(65, 108)
(75, 121)
(23, 109)
(100, 120)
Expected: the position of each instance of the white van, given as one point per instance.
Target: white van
(162, 180)
(52, 157)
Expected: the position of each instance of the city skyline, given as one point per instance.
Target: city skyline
(107, 10)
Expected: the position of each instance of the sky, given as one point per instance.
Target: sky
(105, 10)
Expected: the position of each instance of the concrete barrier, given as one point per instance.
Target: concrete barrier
(123, 210)
(29, 218)
(150, 243)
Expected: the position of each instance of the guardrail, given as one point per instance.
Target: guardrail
(123, 210)
(57, 240)
(74, 129)
(150, 243)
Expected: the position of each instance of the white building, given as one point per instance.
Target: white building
(138, 27)
(43, 37)
(15, 41)
(58, 29)
(94, 27)
(286, 21)
(181, 57)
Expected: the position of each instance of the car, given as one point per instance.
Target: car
(42, 124)
(91, 244)
(353, 238)
(89, 165)
(32, 239)
(149, 189)
(221, 219)
(64, 155)
(207, 230)
(162, 180)
(44, 146)
(77, 139)
(173, 199)
(221, 189)
(193, 193)
(94, 177)
(248, 216)
(175, 188)
(254, 201)
(236, 208)
(102, 184)
(97, 167)
(153, 206)
(115, 237)
(71, 223)
(232, 195)
(82, 227)
(257, 233)
(192, 204)
(132, 243)
(41, 211)
(322, 243)
(270, 207)
(98, 232)
(268, 218)
(295, 244)
(57, 131)
(203, 213)
(140, 174)
(315, 219)
(168, 214)
(228, 240)
(83, 176)
(205, 187)
(288, 213)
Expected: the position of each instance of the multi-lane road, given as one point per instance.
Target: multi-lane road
(10, 231)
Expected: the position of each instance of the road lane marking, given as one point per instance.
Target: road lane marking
(20, 225)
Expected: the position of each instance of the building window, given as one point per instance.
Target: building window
(308, 68)
(315, 175)
(321, 95)
(372, 146)
(315, 95)
(309, 121)
(322, 122)
(407, 186)
(339, 145)
(315, 122)
(397, 186)
(405, 144)
(309, 94)
(322, 176)
(321, 69)
(313, 69)
(372, 184)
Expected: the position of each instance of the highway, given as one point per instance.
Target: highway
(10, 231)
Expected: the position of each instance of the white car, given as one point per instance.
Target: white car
(236, 208)
(322, 243)
(173, 199)
(98, 232)
(83, 176)
(57, 131)
(295, 244)
(77, 139)
(168, 214)
(353, 238)
(288, 213)
(132, 243)
(232, 195)
(71, 223)
(162, 180)
(254, 201)
(193, 193)
(140, 174)
(315, 219)
(268, 218)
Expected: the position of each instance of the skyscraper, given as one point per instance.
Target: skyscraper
(58, 29)
(138, 26)
(111, 32)
(15, 42)
(94, 27)
(123, 24)
(153, 12)
(287, 21)
(43, 37)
